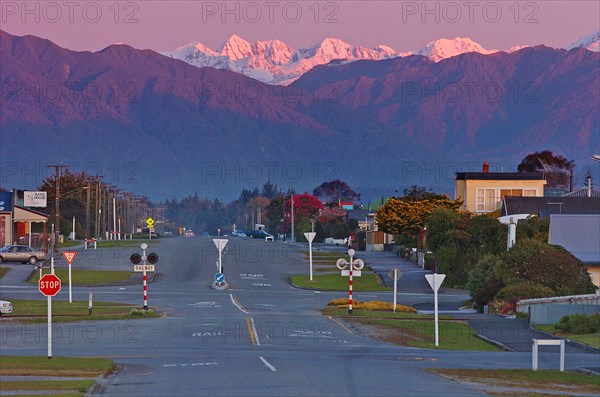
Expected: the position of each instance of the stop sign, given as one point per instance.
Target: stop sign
(49, 284)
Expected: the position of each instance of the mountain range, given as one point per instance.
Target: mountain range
(275, 62)
(162, 127)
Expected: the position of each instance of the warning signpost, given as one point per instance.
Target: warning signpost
(49, 285)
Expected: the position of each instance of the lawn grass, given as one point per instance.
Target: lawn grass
(588, 339)
(80, 385)
(416, 330)
(551, 380)
(3, 271)
(70, 243)
(334, 282)
(58, 366)
(80, 276)
(63, 311)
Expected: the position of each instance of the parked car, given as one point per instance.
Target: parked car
(189, 233)
(239, 233)
(258, 234)
(21, 253)
(5, 307)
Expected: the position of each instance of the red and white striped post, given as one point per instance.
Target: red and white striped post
(144, 246)
(351, 253)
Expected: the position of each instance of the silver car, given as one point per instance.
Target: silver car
(21, 253)
(5, 307)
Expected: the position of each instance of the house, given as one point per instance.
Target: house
(580, 235)
(483, 192)
(17, 223)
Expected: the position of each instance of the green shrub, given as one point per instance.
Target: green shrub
(579, 324)
(481, 273)
(524, 290)
(487, 292)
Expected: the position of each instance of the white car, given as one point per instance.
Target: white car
(5, 307)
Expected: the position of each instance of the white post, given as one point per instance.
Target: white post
(90, 303)
(70, 291)
(114, 219)
(119, 234)
(220, 263)
(435, 308)
(49, 327)
(30, 234)
(534, 358)
(351, 253)
(73, 228)
(512, 234)
(395, 287)
(85, 244)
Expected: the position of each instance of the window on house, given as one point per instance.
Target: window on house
(529, 192)
(488, 200)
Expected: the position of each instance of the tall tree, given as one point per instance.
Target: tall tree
(334, 191)
(556, 168)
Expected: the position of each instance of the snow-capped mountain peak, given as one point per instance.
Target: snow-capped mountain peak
(236, 48)
(438, 50)
(591, 42)
(275, 62)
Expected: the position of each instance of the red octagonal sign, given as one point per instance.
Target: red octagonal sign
(49, 284)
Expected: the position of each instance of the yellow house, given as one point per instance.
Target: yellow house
(483, 192)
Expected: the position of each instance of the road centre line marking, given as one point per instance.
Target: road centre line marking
(272, 368)
(250, 332)
(340, 323)
(233, 300)
(255, 333)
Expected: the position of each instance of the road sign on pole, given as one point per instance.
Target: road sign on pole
(395, 275)
(435, 281)
(219, 277)
(49, 285)
(310, 236)
(220, 243)
(70, 256)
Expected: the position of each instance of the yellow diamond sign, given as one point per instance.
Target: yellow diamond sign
(150, 222)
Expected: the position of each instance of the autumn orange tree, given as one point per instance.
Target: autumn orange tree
(405, 215)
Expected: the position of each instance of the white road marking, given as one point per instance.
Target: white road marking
(189, 365)
(237, 304)
(272, 368)
(254, 330)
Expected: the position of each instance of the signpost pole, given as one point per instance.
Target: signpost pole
(435, 309)
(395, 287)
(310, 236)
(144, 246)
(70, 290)
(49, 327)
(351, 254)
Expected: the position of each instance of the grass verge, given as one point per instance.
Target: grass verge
(80, 385)
(334, 282)
(3, 271)
(58, 366)
(588, 339)
(79, 276)
(516, 380)
(63, 311)
(416, 330)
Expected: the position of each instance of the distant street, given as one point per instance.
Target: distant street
(261, 337)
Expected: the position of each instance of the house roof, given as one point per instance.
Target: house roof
(583, 192)
(23, 214)
(544, 206)
(579, 234)
(500, 176)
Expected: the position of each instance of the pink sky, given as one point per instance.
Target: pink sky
(403, 25)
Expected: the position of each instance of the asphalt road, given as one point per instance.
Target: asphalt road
(261, 337)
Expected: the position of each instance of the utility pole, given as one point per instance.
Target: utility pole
(293, 233)
(87, 211)
(57, 169)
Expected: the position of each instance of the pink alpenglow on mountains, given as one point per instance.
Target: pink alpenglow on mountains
(275, 62)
